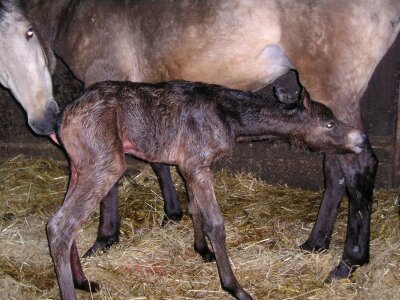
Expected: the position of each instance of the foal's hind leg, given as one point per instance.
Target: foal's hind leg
(80, 281)
(200, 243)
(202, 193)
(92, 184)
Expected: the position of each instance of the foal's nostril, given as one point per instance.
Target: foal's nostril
(364, 136)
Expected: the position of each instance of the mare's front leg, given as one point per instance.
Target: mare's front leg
(109, 225)
(335, 188)
(354, 174)
(202, 195)
(172, 207)
(359, 173)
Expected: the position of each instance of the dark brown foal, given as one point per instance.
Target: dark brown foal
(189, 125)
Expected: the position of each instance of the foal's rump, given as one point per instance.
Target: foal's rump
(90, 125)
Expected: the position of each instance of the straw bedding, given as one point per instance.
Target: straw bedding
(264, 226)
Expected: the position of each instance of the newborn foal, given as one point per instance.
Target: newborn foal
(181, 123)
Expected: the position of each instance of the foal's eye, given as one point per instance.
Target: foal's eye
(330, 125)
(29, 33)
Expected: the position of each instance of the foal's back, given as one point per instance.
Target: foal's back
(166, 122)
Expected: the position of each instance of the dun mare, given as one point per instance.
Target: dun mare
(191, 125)
(23, 68)
(334, 45)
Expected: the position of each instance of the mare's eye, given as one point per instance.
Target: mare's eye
(29, 33)
(330, 125)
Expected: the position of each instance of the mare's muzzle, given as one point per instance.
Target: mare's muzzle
(46, 124)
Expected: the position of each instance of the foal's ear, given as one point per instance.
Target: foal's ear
(283, 96)
(305, 99)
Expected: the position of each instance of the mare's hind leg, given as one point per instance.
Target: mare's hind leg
(201, 192)
(172, 207)
(108, 231)
(335, 188)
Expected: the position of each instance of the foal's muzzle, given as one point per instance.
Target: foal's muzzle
(357, 140)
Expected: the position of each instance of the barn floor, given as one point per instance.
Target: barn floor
(264, 226)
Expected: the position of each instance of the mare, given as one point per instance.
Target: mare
(334, 45)
(23, 68)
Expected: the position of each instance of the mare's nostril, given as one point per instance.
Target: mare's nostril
(53, 106)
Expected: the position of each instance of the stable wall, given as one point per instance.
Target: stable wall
(274, 163)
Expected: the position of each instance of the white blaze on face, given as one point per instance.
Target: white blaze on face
(356, 141)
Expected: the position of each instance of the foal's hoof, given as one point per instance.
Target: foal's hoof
(101, 245)
(208, 257)
(175, 217)
(241, 294)
(206, 254)
(307, 247)
(237, 292)
(340, 272)
(88, 286)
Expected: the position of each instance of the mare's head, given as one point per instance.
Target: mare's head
(23, 68)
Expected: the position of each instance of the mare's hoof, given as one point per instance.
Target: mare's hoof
(175, 217)
(88, 286)
(340, 272)
(101, 245)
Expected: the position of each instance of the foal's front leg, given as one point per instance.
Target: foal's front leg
(202, 195)
(172, 207)
(109, 225)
